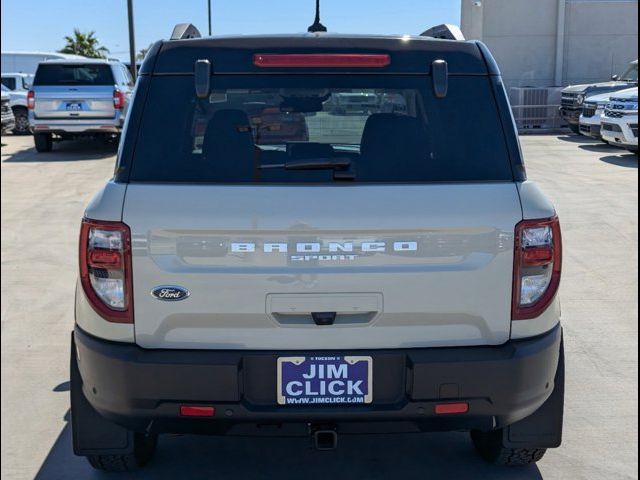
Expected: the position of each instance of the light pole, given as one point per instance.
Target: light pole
(209, 6)
(132, 41)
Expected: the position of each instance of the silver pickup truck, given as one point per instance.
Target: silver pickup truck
(380, 275)
(78, 98)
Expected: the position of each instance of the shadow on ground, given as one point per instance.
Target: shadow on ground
(66, 151)
(629, 160)
(407, 456)
(575, 138)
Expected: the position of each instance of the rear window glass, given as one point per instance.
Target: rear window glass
(73, 75)
(320, 129)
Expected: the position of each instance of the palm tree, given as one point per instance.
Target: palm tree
(143, 53)
(85, 44)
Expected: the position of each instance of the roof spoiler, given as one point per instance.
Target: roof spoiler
(184, 30)
(445, 31)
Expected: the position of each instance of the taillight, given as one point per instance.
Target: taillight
(105, 269)
(536, 267)
(31, 100)
(329, 60)
(118, 99)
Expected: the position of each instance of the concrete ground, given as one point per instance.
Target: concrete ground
(595, 188)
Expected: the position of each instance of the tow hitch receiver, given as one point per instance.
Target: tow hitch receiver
(324, 438)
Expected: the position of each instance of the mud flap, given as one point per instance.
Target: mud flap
(543, 429)
(93, 434)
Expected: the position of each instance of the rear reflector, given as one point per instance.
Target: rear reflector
(329, 60)
(537, 256)
(100, 258)
(192, 411)
(450, 408)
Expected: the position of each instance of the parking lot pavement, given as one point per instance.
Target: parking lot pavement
(595, 188)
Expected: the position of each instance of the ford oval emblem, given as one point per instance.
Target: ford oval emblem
(170, 293)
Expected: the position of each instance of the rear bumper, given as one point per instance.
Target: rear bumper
(91, 125)
(143, 389)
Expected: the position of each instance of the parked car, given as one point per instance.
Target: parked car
(397, 280)
(27, 62)
(17, 82)
(272, 126)
(574, 96)
(592, 109)
(345, 103)
(8, 122)
(18, 103)
(620, 120)
(78, 98)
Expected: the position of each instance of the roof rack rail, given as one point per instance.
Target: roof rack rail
(445, 31)
(184, 30)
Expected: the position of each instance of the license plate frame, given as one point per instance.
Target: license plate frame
(347, 379)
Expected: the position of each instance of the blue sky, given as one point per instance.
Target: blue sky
(41, 24)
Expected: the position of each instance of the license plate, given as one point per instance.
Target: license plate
(331, 380)
(74, 107)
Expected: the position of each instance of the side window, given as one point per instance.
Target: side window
(117, 73)
(9, 82)
(128, 80)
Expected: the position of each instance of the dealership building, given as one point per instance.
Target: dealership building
(544, 43)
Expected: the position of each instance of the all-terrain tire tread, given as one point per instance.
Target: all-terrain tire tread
(113, 463)
(520, 456)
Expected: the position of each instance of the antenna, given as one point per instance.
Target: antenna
(317, 26)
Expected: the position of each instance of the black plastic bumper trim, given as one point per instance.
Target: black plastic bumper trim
(142, 389)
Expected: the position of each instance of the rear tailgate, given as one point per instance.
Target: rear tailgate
(84, 102)
(402, 266)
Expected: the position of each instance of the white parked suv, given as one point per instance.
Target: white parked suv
(78, 98)
(620, 120)
(591, 116)
(379, 275)
(18, 84)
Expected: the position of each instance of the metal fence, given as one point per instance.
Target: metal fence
(537, 118)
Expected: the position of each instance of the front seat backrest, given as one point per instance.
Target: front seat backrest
(394, 148)
(228, 146)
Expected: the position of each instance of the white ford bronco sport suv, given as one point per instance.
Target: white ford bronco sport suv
(381, 275)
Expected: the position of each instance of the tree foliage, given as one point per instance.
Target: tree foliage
(85, 44)
(143, 53)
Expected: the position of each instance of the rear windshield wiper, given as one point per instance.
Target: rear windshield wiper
(339, 163)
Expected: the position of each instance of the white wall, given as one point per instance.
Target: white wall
(600, 38)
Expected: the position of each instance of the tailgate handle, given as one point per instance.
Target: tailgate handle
(202, 77)
(440, 78)
(323, 318)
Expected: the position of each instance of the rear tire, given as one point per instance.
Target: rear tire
(22, 121)
(144, 449)
(43, 142)
(575, 128)
(490, 447)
